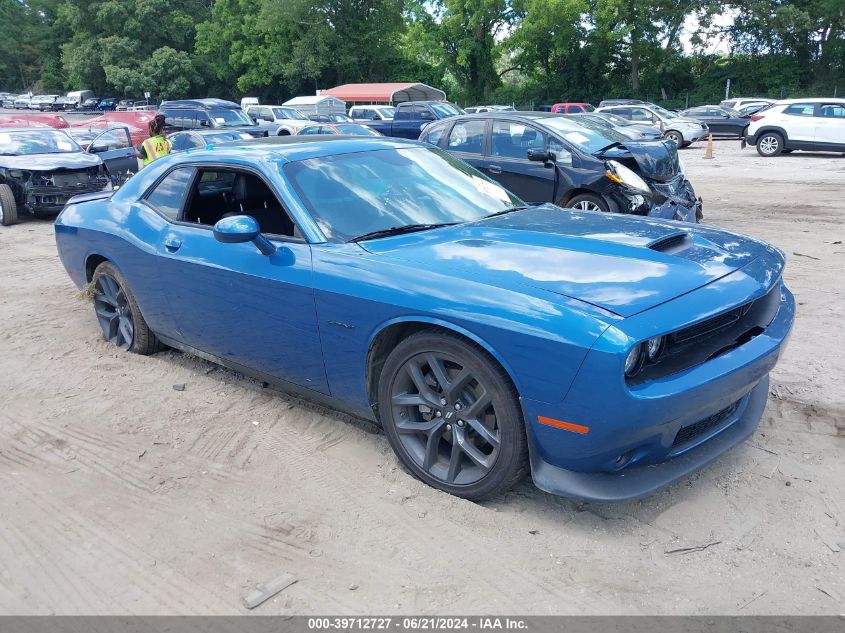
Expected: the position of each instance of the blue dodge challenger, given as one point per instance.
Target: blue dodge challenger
(610, 355)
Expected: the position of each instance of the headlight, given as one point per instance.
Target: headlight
(633, 360)
(654, 347)
(620, 174)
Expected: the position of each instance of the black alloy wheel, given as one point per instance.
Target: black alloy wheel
(452, 416)
(118, 314)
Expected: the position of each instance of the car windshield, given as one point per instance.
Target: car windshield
(25, 143)
(356, 129)
(615, 119)
(230, 118)
(350, 195)
(588, 136)
(732, 112)
(289, 113)
(589, 108)
(663, 112)
(446, 109)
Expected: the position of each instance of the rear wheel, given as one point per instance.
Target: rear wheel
(587, 202)
(452, 416)
(8, 206)
(770, 144)
(118, 314)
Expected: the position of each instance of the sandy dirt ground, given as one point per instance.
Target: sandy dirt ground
(122, 495)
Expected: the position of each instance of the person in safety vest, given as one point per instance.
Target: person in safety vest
(157, 145)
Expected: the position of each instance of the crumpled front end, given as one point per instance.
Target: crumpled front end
(47, 192)
(675, 200)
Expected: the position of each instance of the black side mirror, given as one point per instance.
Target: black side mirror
(426, 116)
(205, 123)
(540, 156)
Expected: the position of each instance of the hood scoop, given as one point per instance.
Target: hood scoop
(671, 244)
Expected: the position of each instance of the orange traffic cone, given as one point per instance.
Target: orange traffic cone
(709, 152)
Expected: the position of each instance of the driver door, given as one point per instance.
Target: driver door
(229, 300)
(114, 147)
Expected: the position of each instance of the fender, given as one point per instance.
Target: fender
(448, 325)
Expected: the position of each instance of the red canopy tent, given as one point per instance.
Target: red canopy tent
(385, 93)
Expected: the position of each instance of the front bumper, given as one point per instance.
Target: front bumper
(675, 200)
(645, 437)
(694, 134)
(49, 200)
(640, 481)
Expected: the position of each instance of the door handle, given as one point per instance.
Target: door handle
(172, 244)
(494, 169)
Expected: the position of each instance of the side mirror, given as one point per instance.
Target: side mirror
(426, 116)
(539, 156)
(205, 123)
(238, 229)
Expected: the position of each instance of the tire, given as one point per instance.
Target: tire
(676, 137)
(769, 144)
(8, 206)
(588, 202)
(114, 306)
(483, 451)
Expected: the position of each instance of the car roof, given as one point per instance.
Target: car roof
(201, 103)
(810, 100)
(295, 148)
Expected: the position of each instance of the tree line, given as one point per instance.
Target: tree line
(478, 51)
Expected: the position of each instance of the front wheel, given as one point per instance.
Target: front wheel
(588, 202)
(452, 416)
(8, 206)
(770, 144)
(676, 137)
(118, 314)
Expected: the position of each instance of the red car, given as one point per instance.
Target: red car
(35, 120)
(572, 108)
(136, 122)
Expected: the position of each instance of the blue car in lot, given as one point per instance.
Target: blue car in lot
(611, 355)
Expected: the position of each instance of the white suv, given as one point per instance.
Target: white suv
(286, 121)
(678, 129)
(805, 124)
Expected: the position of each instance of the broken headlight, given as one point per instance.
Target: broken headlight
(620, 174)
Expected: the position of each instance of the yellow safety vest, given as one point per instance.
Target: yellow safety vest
(155, 147)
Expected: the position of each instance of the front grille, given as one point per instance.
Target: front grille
(710, 326)
(688, 434)
(709, 339)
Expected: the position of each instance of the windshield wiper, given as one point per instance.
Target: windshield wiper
(398, 230)
(508, 210)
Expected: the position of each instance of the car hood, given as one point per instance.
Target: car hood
(51, 162)
(656, 159)
(622, 264)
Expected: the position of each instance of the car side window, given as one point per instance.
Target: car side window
(640, 115)
(110, 141)
(800, 109)
(623, 112)
(832, 111)
(467, 137)
(562, 154)
(169, 193)
(220, 193)
(513, 140)
(434, 134)
(179, 142)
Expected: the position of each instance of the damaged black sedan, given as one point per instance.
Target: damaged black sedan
(41, 169)
(545, 157)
